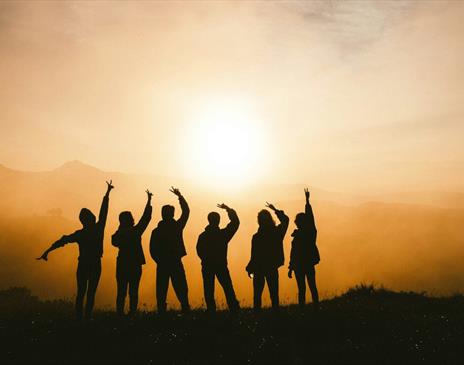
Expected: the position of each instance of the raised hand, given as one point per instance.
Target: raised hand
(110, 185)
(175, 191)
(270, 206)
(43, 257)
(306, 190)
(149, 194)
(223, 206)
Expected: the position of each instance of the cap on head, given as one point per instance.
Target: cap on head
(86, 217)
(265, 219)
(214, 218)
(126, 219)
(167, 212)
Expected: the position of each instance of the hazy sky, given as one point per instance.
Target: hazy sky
(350, 95)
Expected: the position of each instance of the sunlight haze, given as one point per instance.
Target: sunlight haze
(347, 95)
(226, 144)
(240, 102)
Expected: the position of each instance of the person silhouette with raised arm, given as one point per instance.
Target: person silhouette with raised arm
(304, 254)
(167, 249)
(267, 255)
(90, 241)
(128, 238)
(212, 249)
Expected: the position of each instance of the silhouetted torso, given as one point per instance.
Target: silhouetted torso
(304, 251)
(167, 242)
(267, 251)
(89, 239)
(213, 242)
(129, 240)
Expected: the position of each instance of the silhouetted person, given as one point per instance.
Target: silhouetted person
(167, 249)
(212, 249)
(90, 241)
(267, 255)
(304, 254)
(128, 238)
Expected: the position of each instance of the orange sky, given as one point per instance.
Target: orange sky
(351, 96)
(242, 102)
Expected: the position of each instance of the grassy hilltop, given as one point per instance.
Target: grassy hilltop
(364, 325)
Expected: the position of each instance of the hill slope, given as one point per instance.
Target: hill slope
(363, 326)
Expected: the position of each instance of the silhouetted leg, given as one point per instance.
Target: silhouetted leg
(121, 280)
(258, 287)
(82, 279)
(135, 275)
(312, 286)
(94, 278)
(162, 282)
(179, 282)
(300, 277)
(225, 280)
(208, 288)
(272, 278)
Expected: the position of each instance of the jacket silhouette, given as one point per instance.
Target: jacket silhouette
(167, 249)
(128, 238)
(90, 243)
(212, 248)
(304, 254)
(267, 255)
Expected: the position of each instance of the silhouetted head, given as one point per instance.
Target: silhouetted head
(167, 212)
(126, 220)
(86, 217)
(300, 220)
(214, 218)
(265, 219)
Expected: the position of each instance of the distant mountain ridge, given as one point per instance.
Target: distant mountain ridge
(75, 178)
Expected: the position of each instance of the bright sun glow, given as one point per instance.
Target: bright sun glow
(228, 144)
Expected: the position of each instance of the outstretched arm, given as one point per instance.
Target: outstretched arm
(60, 243)
(234, 223)
(183, 206)
(146, 216)
(104, 205)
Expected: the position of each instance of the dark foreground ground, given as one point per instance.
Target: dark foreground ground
(363, 326)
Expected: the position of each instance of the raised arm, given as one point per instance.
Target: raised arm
(309, 210)
(59, 243)
(234, 223)
(104, 205)
(282, 217)
(142, 225)
(183, 206)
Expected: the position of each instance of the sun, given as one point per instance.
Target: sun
(227, 144)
